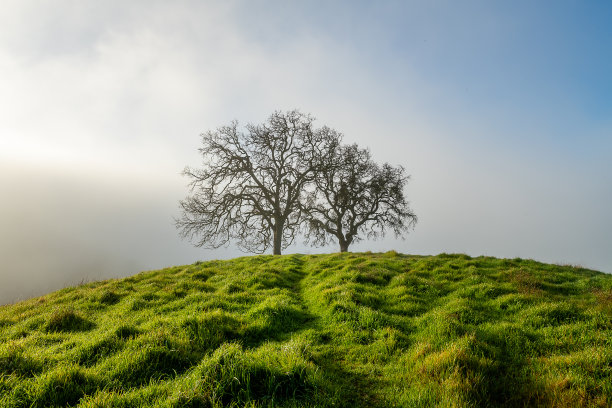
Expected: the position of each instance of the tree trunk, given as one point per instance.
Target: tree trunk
(343, 245)
(278, 238)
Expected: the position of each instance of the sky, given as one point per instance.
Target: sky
(501, 112)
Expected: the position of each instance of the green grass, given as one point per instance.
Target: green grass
(355, 330)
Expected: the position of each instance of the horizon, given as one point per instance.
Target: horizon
(500, 113)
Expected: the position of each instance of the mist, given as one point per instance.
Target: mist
(500, 114)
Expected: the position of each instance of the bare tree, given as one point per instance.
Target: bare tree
(353, 196)
(252, 182)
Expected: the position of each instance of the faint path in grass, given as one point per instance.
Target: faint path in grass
(357, 389)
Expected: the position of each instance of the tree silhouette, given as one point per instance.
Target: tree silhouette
(354, 197)
(251, 185)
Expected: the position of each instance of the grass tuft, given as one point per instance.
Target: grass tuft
(109, 297)
(67, 320)
(126, 332)
(14, 360)
(64, 386)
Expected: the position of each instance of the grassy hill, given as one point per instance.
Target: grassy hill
(358, 330)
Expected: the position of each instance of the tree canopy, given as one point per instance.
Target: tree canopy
(355, 197)
(263, 185)
(252, 182)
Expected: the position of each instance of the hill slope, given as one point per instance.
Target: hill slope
(318, 330)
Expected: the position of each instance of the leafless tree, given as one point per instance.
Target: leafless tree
(252, 182)
(353, 197)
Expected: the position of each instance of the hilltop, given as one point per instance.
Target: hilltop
(360, 330)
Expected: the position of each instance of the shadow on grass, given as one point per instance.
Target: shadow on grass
(15, 361)
(152, 362)
(354, 390)
(507, 382)
(208, 332)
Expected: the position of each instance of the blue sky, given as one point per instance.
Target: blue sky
(500, 111)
